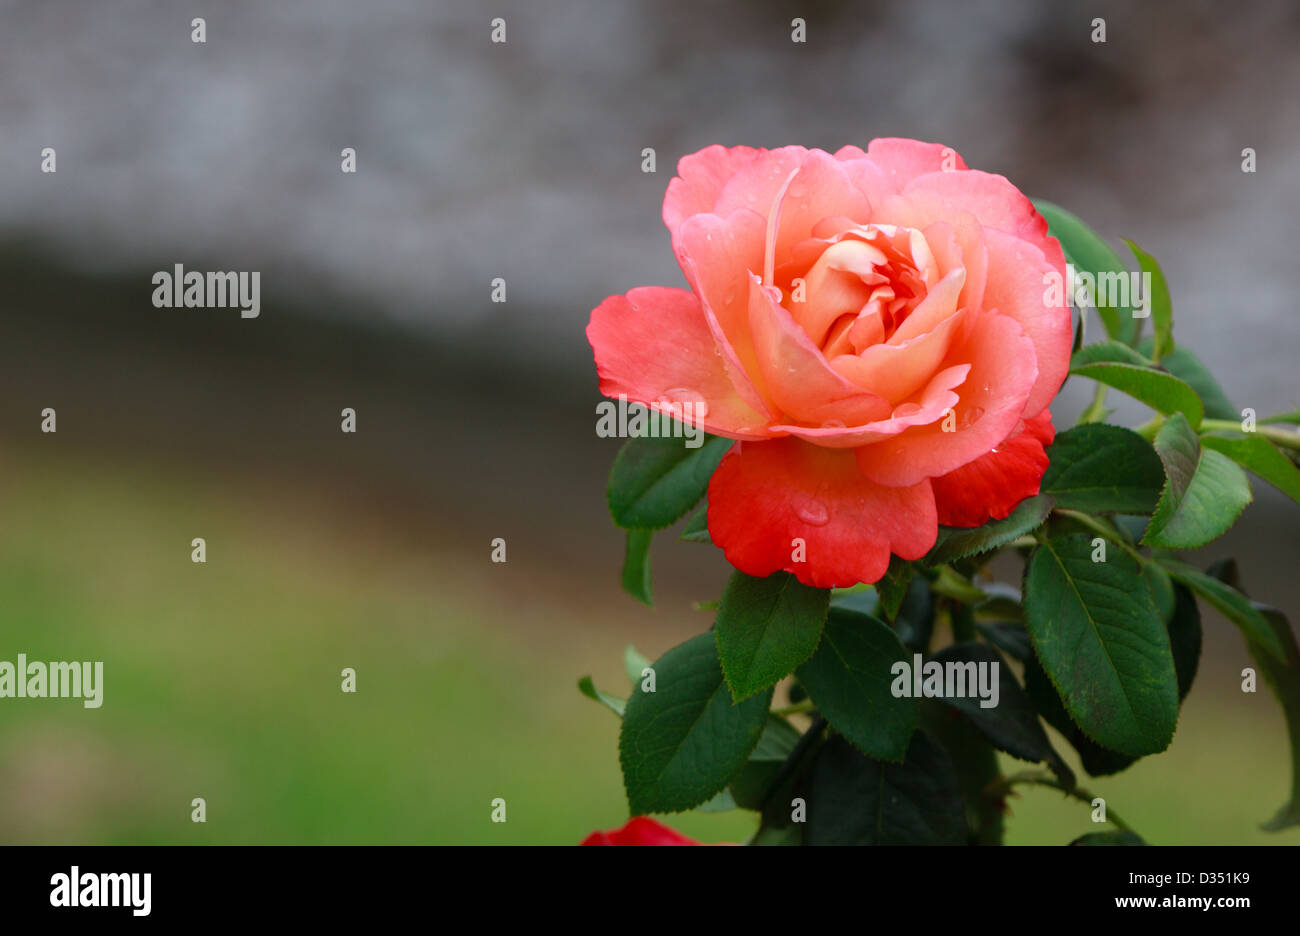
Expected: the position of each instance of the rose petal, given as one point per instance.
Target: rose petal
(820, 189)
(939, 305)
(868, 177)
(924, 211)
(716, 255)
(765, 495)
(654, 344)
(795, 373)
(992, 399)
(897, 371)
(902, 160)
(996, 202)
(640, 830)
(930, 406)
(700, 179)
(1016, 288)
(991, 486)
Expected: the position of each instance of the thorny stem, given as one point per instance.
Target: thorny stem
(1281, 437)
(1004, 786)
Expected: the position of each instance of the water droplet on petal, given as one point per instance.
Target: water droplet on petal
(811, 511)
(971, 416)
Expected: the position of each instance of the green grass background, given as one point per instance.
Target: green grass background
(222, 680)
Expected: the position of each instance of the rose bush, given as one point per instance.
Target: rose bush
(873, 330)
(873, 338)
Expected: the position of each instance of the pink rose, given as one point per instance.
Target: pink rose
(871, 327)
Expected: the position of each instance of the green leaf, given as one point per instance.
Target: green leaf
(1184, 626)
(1112, 837)
(654, 481)
(1097, 760)
(766, 627)
(697, 528)
(1124, 369)
(1088, 253)
(634, 664)
(1283, 677)
(954, 543)
(1259, 456)
(1158, 304)
(855, 800)
(892, 586)
(849, 679)
(1204, 495)
(1186, 366)
(975, 764)
(751, 786)
(636, 566)
(1099, 468)
(1229, 602)
(1100, 639)
(611, 702)
(684, 742)
(1010, 723)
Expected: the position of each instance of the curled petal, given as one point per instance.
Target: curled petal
(795, 373)
(926, 211)
(933, 403)
(716, 255)
(1002, 371)
(765, 497)
(654, 346)
(700, 179)
(818, 188)
(897, 371)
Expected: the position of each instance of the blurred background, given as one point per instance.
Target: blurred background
(475, 419)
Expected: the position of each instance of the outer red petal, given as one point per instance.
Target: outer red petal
(990, 487)
(640, 830)
(765, 495)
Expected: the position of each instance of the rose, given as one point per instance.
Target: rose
(639, 830)
(874, 330)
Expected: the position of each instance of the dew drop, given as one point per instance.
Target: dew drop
(971, 416)
(812, 511)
